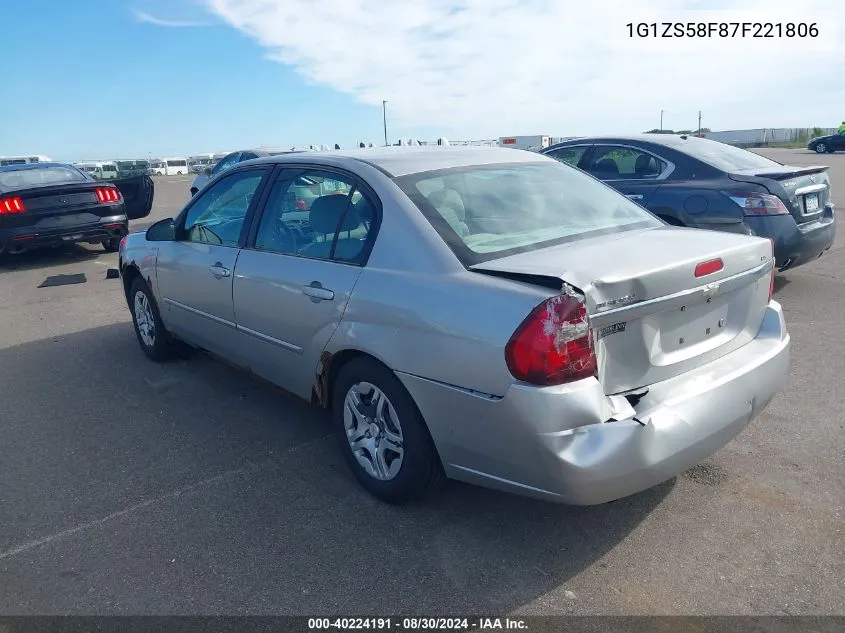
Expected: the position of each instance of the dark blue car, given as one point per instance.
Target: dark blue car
(699, 183)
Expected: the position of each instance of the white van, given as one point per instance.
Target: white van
(97, 169)
(175, 166)
(23, 160)
(157, 167)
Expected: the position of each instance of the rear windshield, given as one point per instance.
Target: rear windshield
(492, 211)
(727, 157)
(22, 178)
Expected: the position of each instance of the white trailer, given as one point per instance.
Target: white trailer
(532, 143)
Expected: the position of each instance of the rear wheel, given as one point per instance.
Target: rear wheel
(382, 434)
(821, 148)
(152, 336)
(112, 245)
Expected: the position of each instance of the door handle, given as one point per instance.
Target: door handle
(634, 196)
(316, 291)
(218, 270)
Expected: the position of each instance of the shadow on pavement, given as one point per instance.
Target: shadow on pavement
(136, 488)
(781, 282)
(47, 257)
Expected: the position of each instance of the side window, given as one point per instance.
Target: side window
(316, 215)
(569, 155)
(624, 163)
(218, 214)
(225, 163)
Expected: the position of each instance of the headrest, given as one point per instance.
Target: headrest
(645, 164)
(326, 212)
(448, 198)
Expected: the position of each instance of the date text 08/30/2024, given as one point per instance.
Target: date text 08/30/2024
(765, 30)
(416, 624)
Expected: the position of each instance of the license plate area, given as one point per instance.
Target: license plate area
(67, 220)
(811, 203)
(689, 330)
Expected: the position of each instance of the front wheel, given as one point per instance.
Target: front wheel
(821, 148)
(382, 434)
(112, 245)
(152, 336)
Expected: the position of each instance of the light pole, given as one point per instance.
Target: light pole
(661, 120)
(384, 114)
(699, 122)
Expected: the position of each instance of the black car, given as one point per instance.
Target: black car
(230, 160)
(47, 204)
(827, 144)
(699, 183)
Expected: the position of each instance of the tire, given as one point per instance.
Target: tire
(821, 148)
(112, 245)
(419, 471)
(158, 347)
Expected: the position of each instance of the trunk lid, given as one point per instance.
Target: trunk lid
(652, 319)
(804, 190)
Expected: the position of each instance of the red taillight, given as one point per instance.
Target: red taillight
(709, 267)
(302, 205)
(772, 279)
(754, 203)
(107, 194)
(10, 205)
(554, 344)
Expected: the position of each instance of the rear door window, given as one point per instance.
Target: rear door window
(614, 162)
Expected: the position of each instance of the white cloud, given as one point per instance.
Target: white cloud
(143, 16)
(492, 67)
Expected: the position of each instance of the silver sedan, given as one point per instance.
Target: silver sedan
(482, 314)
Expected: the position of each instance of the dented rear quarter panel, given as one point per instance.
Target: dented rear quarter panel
(448, 328)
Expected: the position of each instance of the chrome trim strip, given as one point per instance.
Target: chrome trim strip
(810, 189)
(269, 339)
(205, 315)
(647, 306)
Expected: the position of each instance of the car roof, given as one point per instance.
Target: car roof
(33, 166)
(403, 160)
(675, 141)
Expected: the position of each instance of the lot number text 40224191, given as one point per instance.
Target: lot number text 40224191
(766, 30)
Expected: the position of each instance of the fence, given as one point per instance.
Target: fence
(762, 137)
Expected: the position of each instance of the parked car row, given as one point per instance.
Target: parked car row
(492, 315)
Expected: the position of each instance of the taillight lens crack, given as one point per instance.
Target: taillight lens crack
(554, 344)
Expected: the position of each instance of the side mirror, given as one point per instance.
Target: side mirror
(162, 231)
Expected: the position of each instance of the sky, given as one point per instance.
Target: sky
(105, 79)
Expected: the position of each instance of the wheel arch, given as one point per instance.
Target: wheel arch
(329, 368)
(128, 274)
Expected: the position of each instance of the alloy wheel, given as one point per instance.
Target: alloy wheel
(373, 431)
(144, 319)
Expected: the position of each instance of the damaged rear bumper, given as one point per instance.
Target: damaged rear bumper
(573, 444)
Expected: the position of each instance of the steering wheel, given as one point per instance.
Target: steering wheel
(284, 238)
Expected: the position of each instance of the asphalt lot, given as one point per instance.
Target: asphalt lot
(191, 488)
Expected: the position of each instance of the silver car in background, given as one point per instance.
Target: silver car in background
(483, 314)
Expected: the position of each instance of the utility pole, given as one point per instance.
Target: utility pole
(661, 120)
(384, 113)
(699, 122)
